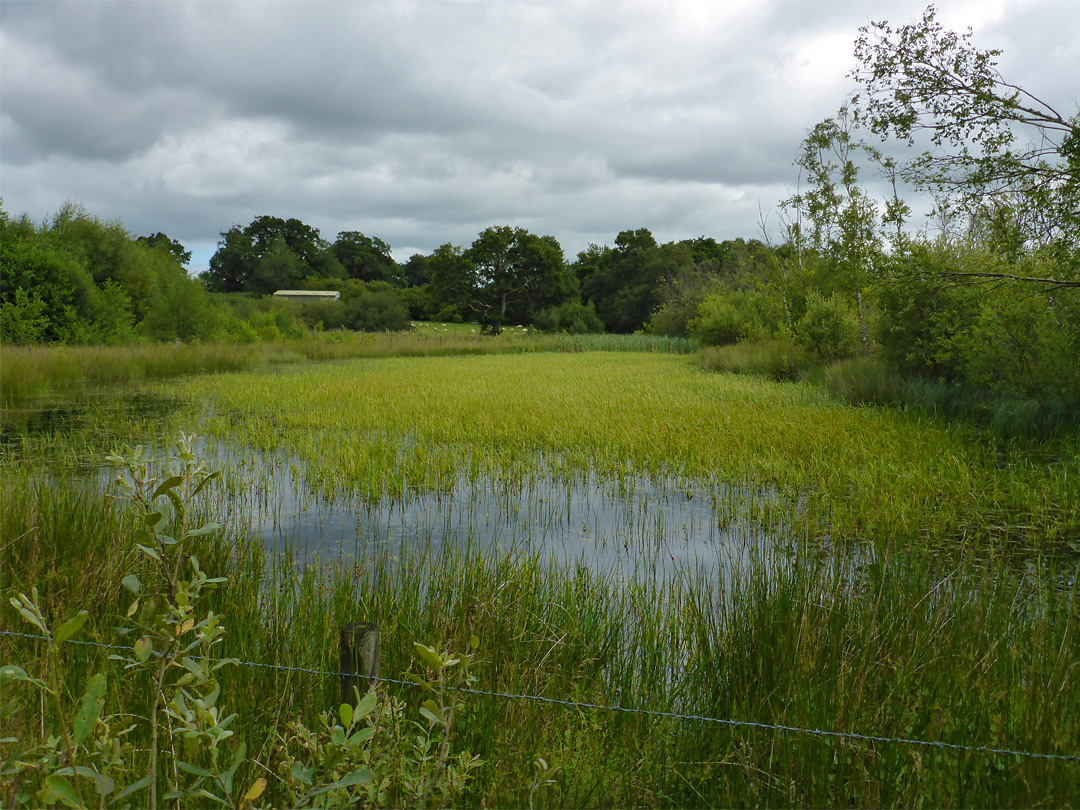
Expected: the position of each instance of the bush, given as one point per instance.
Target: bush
(378, 311)
(775, 359)
(725, 318)
(572, 317)
(828, 329)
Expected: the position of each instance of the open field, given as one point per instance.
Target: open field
(895, 576)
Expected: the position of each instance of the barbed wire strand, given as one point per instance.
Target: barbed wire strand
(816, 732)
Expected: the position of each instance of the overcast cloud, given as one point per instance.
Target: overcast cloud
(425, 122)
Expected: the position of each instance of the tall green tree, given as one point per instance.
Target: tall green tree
(169, 245)
(622, 283)
(507, 275)
(268, 254)
(843, 218)
(367, 258)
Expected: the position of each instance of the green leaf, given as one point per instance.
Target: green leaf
(143, 783)
(102, 783)
(366, 705)
(60, 789)
(168, 485)
(360, 776)
(206, 793)
(90, 708)
(362, 736)
(206, 528)
(148, 551)
(72, 626)
(143, 647)
(429, 715)
(178, 504)
(205, 481)
(345, 712)
(27, 614)
(131, 582)
(337, 736)
(230, 774)
(194, 770)
(414, 678)
(301, 773)
(474, 642)
(153, 518)
(428, 656)
(10, 672)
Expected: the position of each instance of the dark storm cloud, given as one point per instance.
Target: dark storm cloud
(423, 122)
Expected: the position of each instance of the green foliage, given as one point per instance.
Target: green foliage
(175, 249)
(728, 317)
(572, 317)
(191, 752)
(625, 282)
(270, 254)
(773, 359)
(365, 257)
(76, 279)
(921, 78)
(828, 329)
(22, 318)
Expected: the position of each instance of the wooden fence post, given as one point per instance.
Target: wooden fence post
(359, 658)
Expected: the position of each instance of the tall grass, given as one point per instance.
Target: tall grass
(812, 645)
(773, 359)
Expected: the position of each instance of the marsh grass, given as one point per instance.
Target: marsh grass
(34, 377)
(382, 428)
(772, 359)
(928, 590)
(883, 652)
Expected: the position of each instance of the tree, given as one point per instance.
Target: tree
(623, 282)
(367, 258)
(506, 275)
(270, 251)
(843, 218)
(170, 246)
(921, 80)
(233, 263)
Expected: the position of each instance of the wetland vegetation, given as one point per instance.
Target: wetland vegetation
(688, 524)
(614, 528)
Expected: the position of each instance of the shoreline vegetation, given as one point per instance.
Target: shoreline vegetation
(858, 625)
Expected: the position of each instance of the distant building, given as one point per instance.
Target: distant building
(308, 295)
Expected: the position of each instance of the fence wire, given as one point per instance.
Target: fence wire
(666, 715)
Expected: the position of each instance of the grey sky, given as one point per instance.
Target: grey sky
(425, 122)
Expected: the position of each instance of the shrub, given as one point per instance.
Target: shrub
(572, 317)
(724, 318)
(828, 329)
